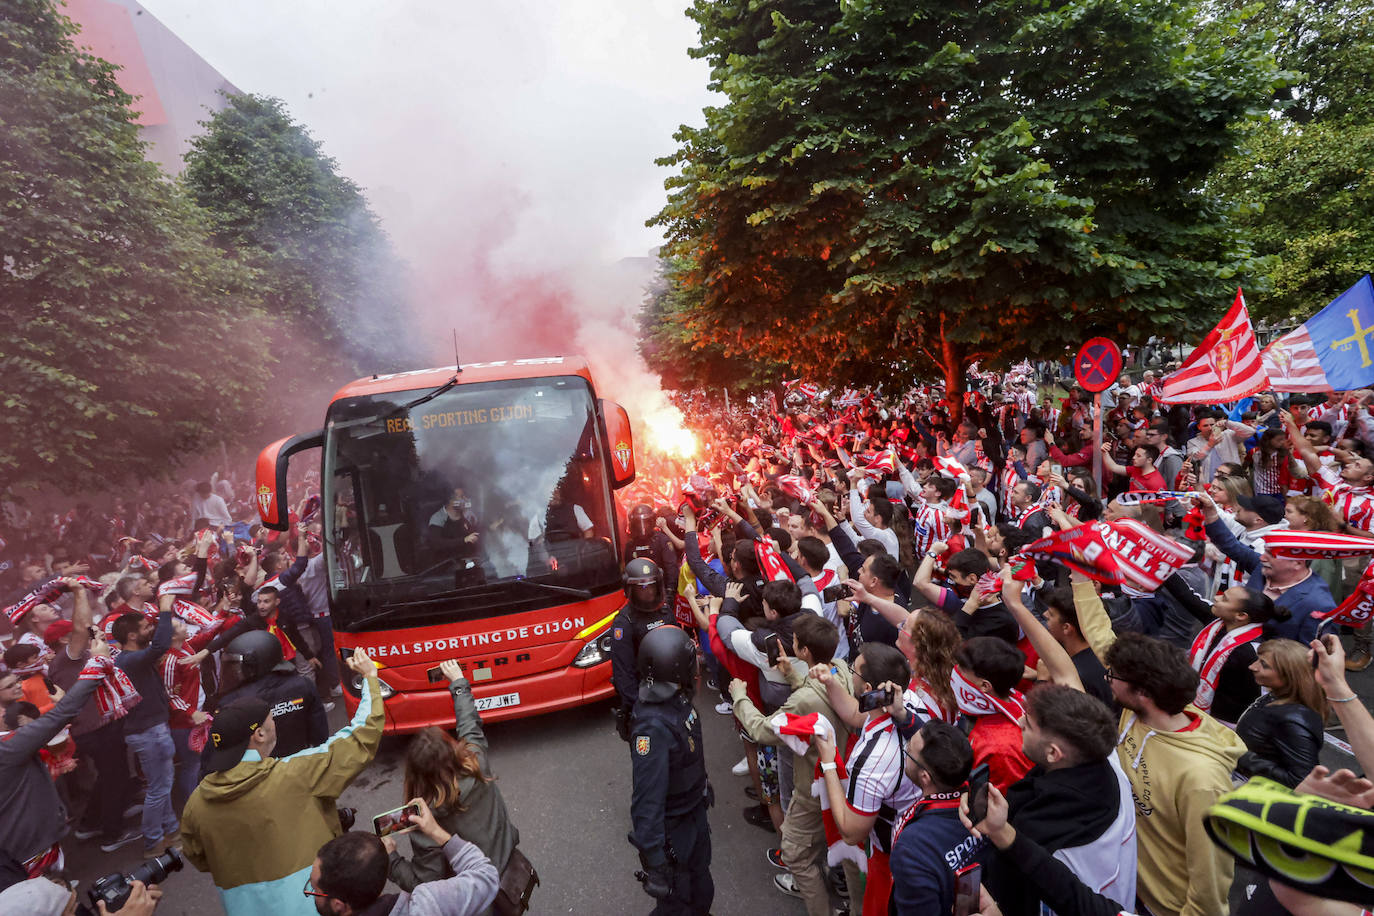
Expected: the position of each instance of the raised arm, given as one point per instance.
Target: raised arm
(1056, 659)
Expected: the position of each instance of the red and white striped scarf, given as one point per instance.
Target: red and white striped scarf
(1208, 664)
(974, 702)
(116, 694)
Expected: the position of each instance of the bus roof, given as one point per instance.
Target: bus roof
(419, 379)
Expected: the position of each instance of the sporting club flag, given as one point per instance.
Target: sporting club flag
(771, 565)
(1145, 557)
(798, 486)
(1331, 351)
(882, 463)
(1081, 549)
(1226, 365)
(808, 389)
(1314, 545)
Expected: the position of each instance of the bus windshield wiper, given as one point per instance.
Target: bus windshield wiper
(555, 589)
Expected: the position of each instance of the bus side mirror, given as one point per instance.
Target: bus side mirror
(270, 489)
(619, 444)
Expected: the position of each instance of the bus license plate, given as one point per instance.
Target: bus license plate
(500, 701)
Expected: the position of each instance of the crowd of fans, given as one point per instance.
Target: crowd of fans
(166, 674)
(948, 703)
(922, 596)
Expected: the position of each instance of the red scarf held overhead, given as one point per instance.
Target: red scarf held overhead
(45, 593)
(116, 694)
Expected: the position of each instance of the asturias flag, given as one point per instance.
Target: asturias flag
(1332, 350)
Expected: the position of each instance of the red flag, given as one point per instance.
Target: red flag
(771, 566)
(884, 463)
(796, 485)
(1226, 365)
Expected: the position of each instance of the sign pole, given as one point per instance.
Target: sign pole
(1097, 445)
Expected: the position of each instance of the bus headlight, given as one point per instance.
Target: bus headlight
(356, 683)
(594, 652)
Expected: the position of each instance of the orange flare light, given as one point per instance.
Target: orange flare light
(668, 435)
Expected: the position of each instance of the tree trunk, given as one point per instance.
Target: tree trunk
(952, 358)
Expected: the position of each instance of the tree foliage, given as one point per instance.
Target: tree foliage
(683, 360)
(1304, 177)
(328, 274)
(892, 189)
(112, 293)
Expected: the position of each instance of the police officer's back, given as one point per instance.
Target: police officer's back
(254, 667)
(670, 789)
(644, 611)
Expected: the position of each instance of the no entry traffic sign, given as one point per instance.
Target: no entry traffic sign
(1097, 365)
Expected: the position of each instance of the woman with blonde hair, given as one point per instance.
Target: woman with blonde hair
(454, 778)
(1283, 728)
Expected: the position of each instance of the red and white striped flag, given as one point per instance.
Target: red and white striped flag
(1226, 365)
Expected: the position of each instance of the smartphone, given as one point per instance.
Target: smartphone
(394, 821)
(773, 646)
(978, 794)
(875, 699)
(434, 675)
(968, 882)
(837, 592)
(1056, 468)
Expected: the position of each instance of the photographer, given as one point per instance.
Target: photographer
(256, 821)
(349, 875)
(43, 897)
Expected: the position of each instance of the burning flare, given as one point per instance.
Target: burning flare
(668, 435)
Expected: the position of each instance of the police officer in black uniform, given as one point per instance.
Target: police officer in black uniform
(646, 542)
(254, 667)
(645, 610)
(671, 792)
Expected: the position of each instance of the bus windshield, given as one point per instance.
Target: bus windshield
(482, 499)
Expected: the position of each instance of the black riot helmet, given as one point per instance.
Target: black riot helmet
(641, 522)
(249, 656)
(667, 663)
(643, 582)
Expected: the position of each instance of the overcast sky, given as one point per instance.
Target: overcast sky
(507, 145)
(548, 111)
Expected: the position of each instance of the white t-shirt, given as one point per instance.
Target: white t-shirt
(584, 522)
(212, 508)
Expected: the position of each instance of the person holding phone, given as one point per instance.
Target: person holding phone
(453, 777)
(932, 852)
(868, 802)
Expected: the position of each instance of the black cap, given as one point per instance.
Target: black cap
(1269, 508)
(232, 730)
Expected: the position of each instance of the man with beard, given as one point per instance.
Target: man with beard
(1075, 802)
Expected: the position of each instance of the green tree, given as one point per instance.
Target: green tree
(1303, 178)
(895, 189)
(119, 312)
(681, 358)
(328, 274)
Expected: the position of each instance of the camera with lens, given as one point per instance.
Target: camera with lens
(114, 890)
(836, 592)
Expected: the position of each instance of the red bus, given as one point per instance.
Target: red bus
(469, 514)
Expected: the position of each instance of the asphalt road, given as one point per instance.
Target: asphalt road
(566, 780)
